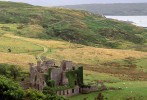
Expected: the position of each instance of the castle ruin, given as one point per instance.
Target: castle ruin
(66, 79)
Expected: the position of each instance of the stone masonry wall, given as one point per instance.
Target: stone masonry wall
(69, 92)
(56, 75)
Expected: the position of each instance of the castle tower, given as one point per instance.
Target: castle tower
(66, 65)
(39, 66)
(33, 73)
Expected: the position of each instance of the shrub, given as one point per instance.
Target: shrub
(51, 83)
(10, 90)
(32, 94)
(15, 71)
(4, 69)
(54, 97)
(10, 70)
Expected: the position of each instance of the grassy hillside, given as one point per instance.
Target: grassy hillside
(110, 61)
(107, 65)
(122, 9)
(33, 32)
(71, 25)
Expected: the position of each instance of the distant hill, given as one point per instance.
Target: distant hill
(123, 9)
(70, 25)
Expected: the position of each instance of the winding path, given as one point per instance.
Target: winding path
(45, 50)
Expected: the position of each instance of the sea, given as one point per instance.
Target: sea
(136, 20)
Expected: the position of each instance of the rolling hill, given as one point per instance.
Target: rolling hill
(70, 25)
(122, 9)
(33, 32)
(107, 65)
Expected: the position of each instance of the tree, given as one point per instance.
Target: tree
(10, 90)
(3, 69)
(15, 71)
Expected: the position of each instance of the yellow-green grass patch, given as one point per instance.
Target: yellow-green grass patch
(18, 46)
(93, 77)
(17, 59)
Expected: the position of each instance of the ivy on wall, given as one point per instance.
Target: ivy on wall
(48, 75)
(72, 77)
(50, 83)
(75, 76)
(80, 76)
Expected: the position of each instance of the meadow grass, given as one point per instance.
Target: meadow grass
(77, 53)
(60, 50)
(17, 59)
(18, 46)
(128, 89)
(142, 64)
(137, 89)
(131, 90)
(93, 77)
(94, 56)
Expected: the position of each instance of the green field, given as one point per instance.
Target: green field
(142, 63)
(129, 89)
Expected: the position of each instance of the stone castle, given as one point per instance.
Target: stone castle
(58, 74)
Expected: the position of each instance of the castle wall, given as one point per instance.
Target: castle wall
(41, 81)
(37, 78)
(49, 63)
(69, 92)
(33, 74)
(56, 75)
(64, 79)
(88, 89)
(66, 65)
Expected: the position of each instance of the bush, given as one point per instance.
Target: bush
(32, 94)
(15, 71)
(4, 69)
(54, 97)
(10, 70)
(10, 90)
(49, 90)
(51, 83)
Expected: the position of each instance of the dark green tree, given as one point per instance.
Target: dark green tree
(15, 71)
(10, 90)
(3, 69)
